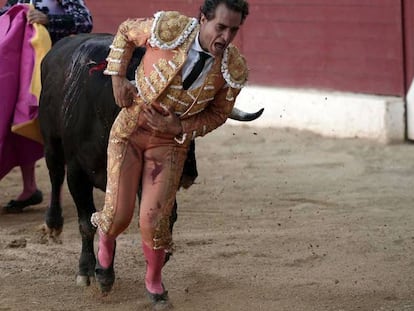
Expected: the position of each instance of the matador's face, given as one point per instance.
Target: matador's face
(217, 33)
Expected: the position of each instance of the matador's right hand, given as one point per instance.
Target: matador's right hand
(124, 91)
(36, 16)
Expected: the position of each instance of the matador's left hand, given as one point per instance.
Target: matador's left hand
(167, 123)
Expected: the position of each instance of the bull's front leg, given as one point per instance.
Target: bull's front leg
(56, 166)
(81, 190)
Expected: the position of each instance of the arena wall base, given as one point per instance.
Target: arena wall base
(328, 113)
(410, 112)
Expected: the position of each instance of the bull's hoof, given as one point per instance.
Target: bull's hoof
(50, 235)
(16, 206)
(83, 280)
(105, 277)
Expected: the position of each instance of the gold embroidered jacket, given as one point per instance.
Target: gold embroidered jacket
(167, 38)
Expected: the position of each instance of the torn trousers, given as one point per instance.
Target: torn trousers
(138, 156)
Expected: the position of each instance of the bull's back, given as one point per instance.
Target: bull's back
(65, 78)
(76, 107)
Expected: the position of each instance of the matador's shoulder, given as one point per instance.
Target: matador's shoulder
(234, 67)
(170, 29)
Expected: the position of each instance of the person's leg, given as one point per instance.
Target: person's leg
(160, 178)
(106, 249)
(124, 171)
(30, 195)
(29, 181)
(155, 259)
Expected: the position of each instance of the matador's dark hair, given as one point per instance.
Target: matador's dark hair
(209, 8)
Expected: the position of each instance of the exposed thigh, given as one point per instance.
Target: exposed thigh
(160, 178)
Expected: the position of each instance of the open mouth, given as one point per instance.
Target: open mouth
(219, 47)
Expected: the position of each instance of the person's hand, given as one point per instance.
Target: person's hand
(36, 16)
(124, 91)
(167, 123)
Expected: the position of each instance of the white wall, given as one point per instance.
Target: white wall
(410, 112)
(333, 114)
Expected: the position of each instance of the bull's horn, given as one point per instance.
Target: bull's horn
(240, 115)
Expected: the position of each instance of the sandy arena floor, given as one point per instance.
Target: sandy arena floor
(278, 220)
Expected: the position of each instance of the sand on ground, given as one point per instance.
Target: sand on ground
(277, 220)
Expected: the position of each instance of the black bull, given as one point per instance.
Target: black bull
(76, 113)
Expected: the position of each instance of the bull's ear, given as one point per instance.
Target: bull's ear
(240, 115)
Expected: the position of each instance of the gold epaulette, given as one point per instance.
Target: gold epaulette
(170, 29)
(234, 67)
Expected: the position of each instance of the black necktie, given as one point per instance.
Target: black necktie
(197, 69)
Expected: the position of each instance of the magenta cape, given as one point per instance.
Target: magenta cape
(17, 104)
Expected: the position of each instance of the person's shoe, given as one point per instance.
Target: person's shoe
(159, 301)
(17, 206)
(105, 276)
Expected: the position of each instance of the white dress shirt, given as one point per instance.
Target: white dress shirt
(193, 56)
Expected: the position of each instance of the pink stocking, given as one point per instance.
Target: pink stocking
(29, 181)
(155, 261)
(106, 247)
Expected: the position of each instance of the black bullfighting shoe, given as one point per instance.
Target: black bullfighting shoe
(159, 301)
(105, 277)
(16, 206)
